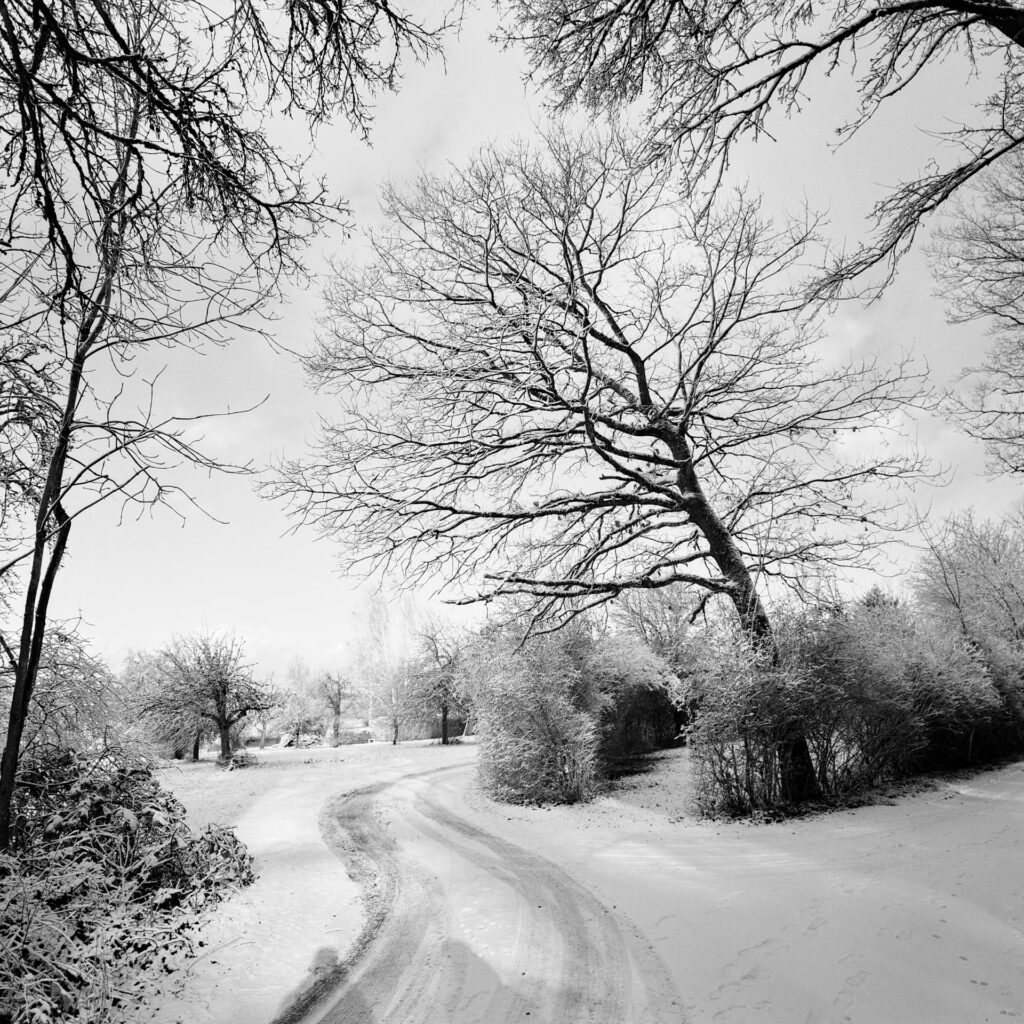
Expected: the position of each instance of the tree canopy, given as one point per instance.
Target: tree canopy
(717, 72)
(556, 380)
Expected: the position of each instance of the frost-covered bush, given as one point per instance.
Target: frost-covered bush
(101, 887)
(633, 692)
(748, 712)
(875, 692)
(897, 696)
(537, 744)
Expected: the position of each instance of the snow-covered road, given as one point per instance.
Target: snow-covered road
(465, 927)
(616, 912)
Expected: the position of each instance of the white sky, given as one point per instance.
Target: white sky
(137, 583)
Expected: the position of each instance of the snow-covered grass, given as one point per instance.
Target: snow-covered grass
(909, 911)
(212, 795)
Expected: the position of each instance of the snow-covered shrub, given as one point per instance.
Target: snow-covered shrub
(537, 745)
(633, 691)
(898, 696)
(749, 712)
(874, 691)
(101, 888)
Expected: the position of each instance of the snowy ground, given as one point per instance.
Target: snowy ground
(626, 910)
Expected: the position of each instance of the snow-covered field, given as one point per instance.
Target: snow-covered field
(625, 910)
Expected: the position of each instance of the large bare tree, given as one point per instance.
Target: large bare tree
(143, 203)
(557, 382)
(717, 72)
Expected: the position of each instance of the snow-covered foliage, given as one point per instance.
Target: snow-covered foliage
(101, 889)
(876, 691)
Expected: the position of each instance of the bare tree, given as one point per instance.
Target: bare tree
(337, 692)
(559, 382)
(978, 255)
(973, 577)
(716, 72)
(206, 677)
(438, 692)
(144, 204)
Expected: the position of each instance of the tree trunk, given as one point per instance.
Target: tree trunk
(796, 771)
(798, 778)
(444, 725)
(394, 733)
(225, 743)
(30, 651)
(195, 747)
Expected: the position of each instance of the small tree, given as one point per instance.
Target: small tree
(338, 694)
(206, 677)
(298, 713)
(438, 692)
(392, 694)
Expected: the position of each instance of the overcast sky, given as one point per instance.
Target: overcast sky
(136, 583)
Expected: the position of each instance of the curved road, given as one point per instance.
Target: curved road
(464, 927)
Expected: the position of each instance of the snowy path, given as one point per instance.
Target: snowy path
(468, 928)
(616, 912)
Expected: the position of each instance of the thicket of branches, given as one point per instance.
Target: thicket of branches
(714, 74)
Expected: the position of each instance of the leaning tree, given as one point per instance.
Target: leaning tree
(144, 204)
(557, 382)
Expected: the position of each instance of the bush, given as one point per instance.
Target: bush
(347, 737)
(536, 743)
(747, 714)
(632, 691)
(102, 887)
(875, 692)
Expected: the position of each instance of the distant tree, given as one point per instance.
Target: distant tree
(176, 726)
(715, 73)
(338, 694)
(393, 695)
(205, 677)
(438, 691)
(876, 597)
(299, 713)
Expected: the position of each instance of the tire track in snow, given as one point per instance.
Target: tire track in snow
(464, 927)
